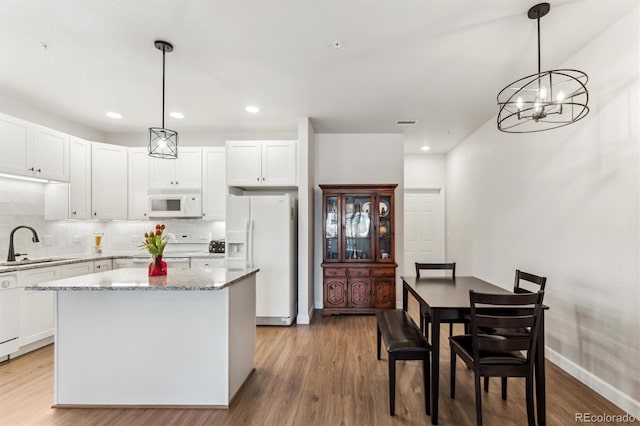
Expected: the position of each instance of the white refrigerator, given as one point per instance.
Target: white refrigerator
(261, 233)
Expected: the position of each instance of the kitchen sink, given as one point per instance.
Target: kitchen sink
(34, 261)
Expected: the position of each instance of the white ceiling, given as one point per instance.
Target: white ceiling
(440, 62)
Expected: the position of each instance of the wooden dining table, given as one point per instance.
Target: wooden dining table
(447, 299)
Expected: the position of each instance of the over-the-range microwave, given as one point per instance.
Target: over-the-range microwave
(175, 202)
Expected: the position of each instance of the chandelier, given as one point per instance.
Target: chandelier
(545, 100)
(163, 142)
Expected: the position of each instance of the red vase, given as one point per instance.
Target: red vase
(157, 267)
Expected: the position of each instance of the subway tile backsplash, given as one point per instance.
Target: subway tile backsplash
(22, 203)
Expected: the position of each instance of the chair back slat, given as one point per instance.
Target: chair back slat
(436, 266)
(492, 343)
(500, 321)
(515, 317)
(535, 282)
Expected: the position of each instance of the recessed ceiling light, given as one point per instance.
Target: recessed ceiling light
(176, 114)
(425, 148)
(252, 109)
(406, 122)
(337, 44)
(115, 115)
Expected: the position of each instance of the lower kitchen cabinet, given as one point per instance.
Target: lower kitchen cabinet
(36, 307)
(205, 263)
(103, 265)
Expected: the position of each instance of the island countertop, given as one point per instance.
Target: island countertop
(127, 279)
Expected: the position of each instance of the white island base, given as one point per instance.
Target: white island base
(154, 348)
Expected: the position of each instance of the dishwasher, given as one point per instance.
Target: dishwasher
(9, 314)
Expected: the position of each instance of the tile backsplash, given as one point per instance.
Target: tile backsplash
(22, 203)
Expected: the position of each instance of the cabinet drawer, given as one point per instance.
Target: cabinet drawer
(358, 272)
(335, 272)
(383, 272)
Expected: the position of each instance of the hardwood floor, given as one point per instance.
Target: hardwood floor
(322, 374)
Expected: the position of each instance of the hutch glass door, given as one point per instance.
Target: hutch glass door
(331, 228)
(385, 233)
(357, 228)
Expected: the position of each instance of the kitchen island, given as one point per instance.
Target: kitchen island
(125, 339)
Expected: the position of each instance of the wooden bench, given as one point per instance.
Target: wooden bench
(403, 341)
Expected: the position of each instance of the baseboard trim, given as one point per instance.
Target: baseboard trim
(619, 398)
(305, 318)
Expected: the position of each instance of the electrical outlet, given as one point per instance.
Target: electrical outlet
(48, 240)
(134, 238)
(76, 239)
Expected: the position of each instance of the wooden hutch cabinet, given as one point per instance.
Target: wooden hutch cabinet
(359, 269)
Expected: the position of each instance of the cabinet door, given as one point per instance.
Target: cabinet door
(36, 307)
(214, 187)
(385, 293)
(335, 293)
(331, 232)
(16, 145)
(207, 263)
(360, 293)
(385, 244)
(79, 179)
(50, 154)
(357, 242)
(162, 171)
(138, 183)
(279, 163)
(189, 168)
(244, 163)
(109, 181)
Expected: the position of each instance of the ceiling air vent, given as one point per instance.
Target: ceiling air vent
(406, 122)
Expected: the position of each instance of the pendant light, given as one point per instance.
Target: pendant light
(545, 100)
(163, 142)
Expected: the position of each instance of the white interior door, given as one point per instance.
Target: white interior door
(424, 230)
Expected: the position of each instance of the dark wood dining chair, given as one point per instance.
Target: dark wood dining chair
(495, 354)
(425, 318)
(524, 282)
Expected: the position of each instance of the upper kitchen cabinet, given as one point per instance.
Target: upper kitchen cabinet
(79, 179)
(214, 188)
(185, 171)
(262, 163)
(32, 150)
(138, 183)
(108, 181)
(72, 200)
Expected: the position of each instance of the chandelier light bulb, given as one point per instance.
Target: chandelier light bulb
(543, 93)
(560, 96)
(519, 103)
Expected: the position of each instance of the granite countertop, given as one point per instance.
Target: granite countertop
(79, 258)
(136, 279)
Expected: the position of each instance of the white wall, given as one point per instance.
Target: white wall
(358, 158)
(565, 203)
(424, 171)
(24, 109)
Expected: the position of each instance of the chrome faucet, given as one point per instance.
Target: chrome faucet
(12, 254)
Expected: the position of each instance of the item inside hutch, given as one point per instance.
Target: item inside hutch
(359, 260)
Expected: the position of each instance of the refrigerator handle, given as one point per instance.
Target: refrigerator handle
(250, 244)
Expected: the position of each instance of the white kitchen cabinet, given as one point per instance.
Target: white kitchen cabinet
(50, 154)
(76, 269)
(103, 265)
(36, 307)
(185, 171)
(33, 150)
(16, 145)
(71, 200)
(79, 179)
(261, 163)
(205, 263)
(138, 183)
(214, 187)
(108, 181)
